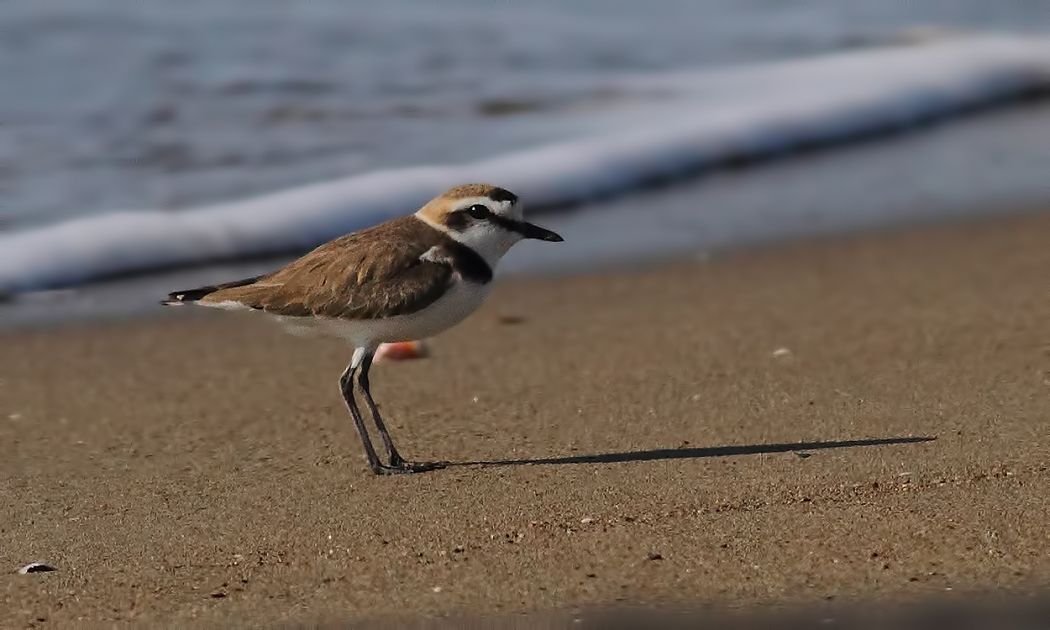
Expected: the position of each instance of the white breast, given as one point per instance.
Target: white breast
(462, 299)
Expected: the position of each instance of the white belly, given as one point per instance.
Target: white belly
(462, 299)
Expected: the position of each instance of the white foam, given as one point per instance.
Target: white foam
(681, 123)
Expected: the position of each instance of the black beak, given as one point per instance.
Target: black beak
(531, 230)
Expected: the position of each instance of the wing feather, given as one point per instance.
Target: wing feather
(371, 274)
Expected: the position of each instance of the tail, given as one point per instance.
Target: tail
(186, 296)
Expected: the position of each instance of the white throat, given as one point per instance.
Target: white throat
(489, 241)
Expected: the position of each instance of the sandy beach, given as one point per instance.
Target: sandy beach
(857, 418)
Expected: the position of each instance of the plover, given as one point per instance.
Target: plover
(409, 278)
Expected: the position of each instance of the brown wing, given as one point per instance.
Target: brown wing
(370, 274)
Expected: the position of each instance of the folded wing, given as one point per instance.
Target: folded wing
(372, 274)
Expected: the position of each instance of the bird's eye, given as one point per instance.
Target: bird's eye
(478, 211)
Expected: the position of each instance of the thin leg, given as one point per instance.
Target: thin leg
(362, 380)
(346, 387)
(396, 461)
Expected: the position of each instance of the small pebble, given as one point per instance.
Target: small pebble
(36, 567)
(436, 589)
(586, 519)
(510, 320)
(781, 352)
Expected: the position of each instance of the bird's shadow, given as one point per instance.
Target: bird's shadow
(696, 453)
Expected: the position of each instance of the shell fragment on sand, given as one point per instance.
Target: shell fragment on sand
(36, 567)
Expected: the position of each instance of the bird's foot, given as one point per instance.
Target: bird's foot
(401, 467)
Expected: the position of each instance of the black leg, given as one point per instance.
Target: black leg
(397, 463)
(346, 387)
(362, 380)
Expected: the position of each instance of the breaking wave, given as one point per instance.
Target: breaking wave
(672, 125)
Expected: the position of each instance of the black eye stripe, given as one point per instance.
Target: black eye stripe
(457, 220)
(460, 219)
(479, 211)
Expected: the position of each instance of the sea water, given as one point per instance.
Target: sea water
(162, 109)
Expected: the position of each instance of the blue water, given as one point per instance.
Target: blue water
(1003, 156)
(116, 104)
(152, 104)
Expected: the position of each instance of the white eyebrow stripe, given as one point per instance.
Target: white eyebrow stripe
(466, 202)
(498, 207)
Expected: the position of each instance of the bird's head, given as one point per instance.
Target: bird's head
(486, 218)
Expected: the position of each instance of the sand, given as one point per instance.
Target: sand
(859, 418)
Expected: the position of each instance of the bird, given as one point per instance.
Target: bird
(408, 278)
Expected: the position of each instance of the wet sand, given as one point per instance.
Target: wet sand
(848, 419)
